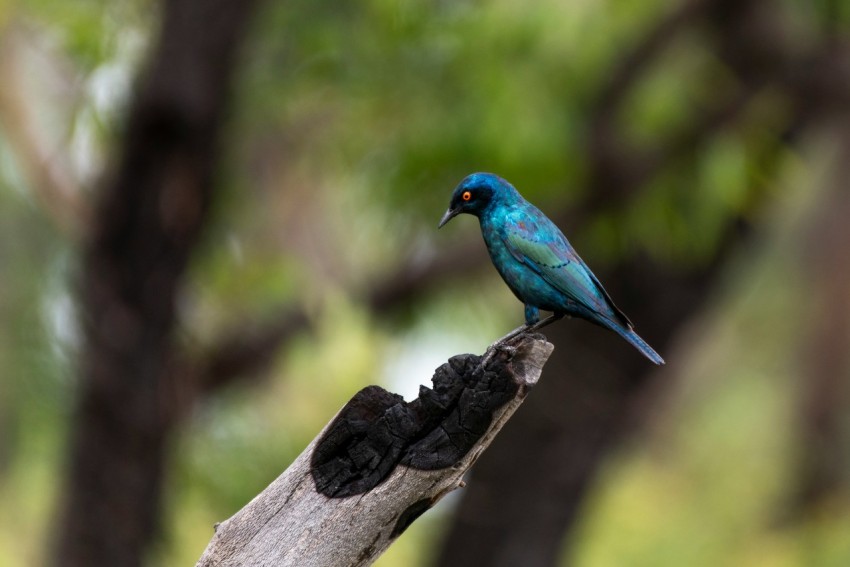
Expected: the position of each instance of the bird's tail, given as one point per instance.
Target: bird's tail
(635, 340)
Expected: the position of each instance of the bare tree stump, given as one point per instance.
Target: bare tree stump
(379, 464)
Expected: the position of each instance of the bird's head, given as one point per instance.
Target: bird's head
(474, 194)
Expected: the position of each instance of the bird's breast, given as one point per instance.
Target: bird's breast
(526, 284)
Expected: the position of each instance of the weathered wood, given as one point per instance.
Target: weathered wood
(378, 465)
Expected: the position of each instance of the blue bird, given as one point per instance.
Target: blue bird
(536, 261)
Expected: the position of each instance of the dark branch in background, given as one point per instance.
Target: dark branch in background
(616, 168)
(633, 66)
(147, 223)
(249, 349)
(246, 352)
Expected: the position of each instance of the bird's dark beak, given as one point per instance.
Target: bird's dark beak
(450, 214)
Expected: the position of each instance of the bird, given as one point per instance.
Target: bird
(537, 261)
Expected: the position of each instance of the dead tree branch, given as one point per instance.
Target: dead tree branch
(378, 465)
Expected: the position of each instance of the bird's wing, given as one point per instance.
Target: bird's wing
(557, 263)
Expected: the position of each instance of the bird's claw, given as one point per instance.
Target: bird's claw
(510, 350)
(496, 347)
(507, 344)
(504, 345)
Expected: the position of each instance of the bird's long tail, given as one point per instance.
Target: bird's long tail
(635, 340)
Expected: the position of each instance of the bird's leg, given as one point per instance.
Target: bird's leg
(545, 322)
(503, 343)
(532, 317)
(529, 328)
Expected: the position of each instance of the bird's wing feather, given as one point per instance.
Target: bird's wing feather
(557, 263)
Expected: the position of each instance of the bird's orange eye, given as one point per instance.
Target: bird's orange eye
(466, 196)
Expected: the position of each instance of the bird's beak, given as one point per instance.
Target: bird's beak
(450, 214)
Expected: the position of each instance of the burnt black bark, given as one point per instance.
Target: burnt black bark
(377, 430)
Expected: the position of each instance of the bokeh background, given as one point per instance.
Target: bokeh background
(218, 222)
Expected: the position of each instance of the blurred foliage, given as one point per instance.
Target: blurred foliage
(352, 124)
(36, 369)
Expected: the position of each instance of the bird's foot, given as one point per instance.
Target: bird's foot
(508, 349)
(496, 347)
(527, 329)
(505, 344)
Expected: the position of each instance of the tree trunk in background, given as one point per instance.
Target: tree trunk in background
(147, 223)
(825, 357)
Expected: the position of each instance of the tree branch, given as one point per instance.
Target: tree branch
(379, 464)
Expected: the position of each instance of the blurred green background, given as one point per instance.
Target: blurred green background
(350, 125)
